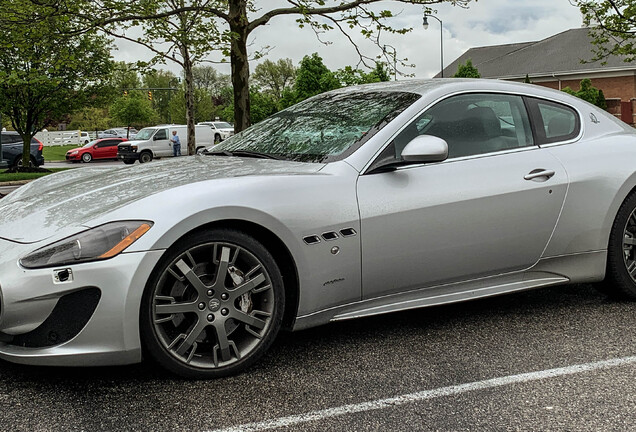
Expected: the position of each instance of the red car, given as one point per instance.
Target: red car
(105, 148)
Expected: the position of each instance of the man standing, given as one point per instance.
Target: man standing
(176, 144)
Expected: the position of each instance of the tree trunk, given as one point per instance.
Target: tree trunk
(189, 100)
(240, 64)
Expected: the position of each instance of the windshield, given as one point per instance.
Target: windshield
(223, 125)
(321, 129)
(90, 144)
(145, 134)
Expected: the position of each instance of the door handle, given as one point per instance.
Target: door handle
(539, 174)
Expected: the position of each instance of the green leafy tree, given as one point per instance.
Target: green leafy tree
(612, 26)
(132, 110)
(90, 119)
(381, 72)
(275, 77)
(203, 107)
(208, 78)
(467, 70)
(162, 81)
(227, 26)
(44, 76)
(262, 105)
(589, 93)
(312, 78)
(349, 76)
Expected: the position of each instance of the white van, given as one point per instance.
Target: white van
(154, 142)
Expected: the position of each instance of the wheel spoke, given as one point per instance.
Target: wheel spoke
(224, 343)
(247, 286)
(192, 277)
(249, 320)
(175, 308)
(191, 338)
(631, 268)
(630, 241)
(224, 263)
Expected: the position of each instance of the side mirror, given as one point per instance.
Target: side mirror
(95, 146)
(425, 148)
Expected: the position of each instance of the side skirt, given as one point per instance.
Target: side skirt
(584, 267)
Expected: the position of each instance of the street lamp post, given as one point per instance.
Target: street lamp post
(441, 40)
(394, 60)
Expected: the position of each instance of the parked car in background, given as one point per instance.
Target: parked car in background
(85, 137)
(12, 150)
(154, 142)
(222, 130)
(105, 148)
(117, 133)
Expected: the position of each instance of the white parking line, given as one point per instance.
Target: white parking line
(425, 395)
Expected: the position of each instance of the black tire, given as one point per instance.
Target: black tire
(145, 157)
(87, 157)
(217, 138)
(206, 328)
(129, 161)
(17, 162)
(620, 275)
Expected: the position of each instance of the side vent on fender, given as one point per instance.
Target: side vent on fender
(312, 239)
(331, 235)
(348, 232)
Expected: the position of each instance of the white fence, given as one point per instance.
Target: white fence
(54, 138)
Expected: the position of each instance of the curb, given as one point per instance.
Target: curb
(15, 183)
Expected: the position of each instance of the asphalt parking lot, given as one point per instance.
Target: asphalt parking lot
(429, 369)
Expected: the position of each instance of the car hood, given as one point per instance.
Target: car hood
(75, 149)
(71, 198)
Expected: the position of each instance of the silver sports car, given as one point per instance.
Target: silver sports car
(361, 201)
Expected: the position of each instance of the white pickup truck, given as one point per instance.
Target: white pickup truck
(154, 142)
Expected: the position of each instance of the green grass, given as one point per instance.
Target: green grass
(56, 153)
(26, 176)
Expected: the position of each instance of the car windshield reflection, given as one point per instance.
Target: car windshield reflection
(321, 129)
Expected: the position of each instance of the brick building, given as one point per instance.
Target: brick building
(557, 62)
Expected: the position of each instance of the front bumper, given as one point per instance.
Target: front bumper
(30, 300)
(74, 157)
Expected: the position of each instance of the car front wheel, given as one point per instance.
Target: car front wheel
(213, 306)
(620, 276)
(145, 157)
(86, 157)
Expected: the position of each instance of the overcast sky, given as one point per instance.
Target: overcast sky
(486, 22)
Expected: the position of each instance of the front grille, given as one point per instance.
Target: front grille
(124, 149)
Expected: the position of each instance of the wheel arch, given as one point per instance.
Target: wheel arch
(628, 189)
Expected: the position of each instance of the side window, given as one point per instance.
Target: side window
(554, 122)
(161, 135)
(472, 124)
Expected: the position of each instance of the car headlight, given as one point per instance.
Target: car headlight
(99, 243)
(73, 153)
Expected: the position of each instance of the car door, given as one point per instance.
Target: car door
(490, 208)
(161, 146)
(100, 150)
(109, 149)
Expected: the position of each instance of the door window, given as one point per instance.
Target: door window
(161, 135)
(473, 124)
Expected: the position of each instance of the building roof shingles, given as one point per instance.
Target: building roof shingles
(566, 52)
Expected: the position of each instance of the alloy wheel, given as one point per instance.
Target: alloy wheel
(213, 305)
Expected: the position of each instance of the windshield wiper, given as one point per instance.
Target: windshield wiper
(244, 153)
